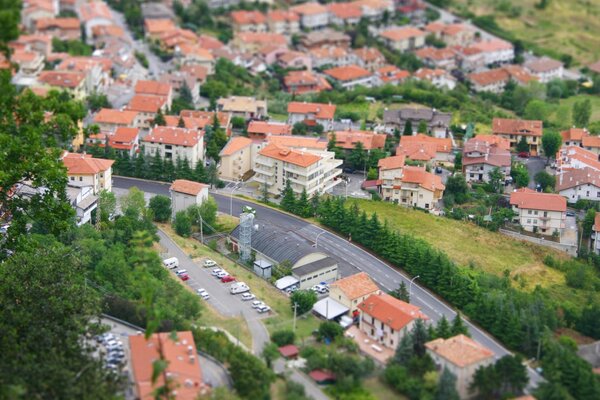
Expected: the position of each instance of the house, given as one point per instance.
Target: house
(199, 119)
(251, 42)
(61, 28)
(170, 40)
(515, 130)
(374, 10)
(573, 136)
(301, 82)
(83, 201)
(94, 13)
(439, 78)
(325, 37)
(495, 80)
(154, 88)
(158, 11)
(242, 106)
(283, 22)
(294, 59)
(274, 165)
(351, 76)
(35, 10)
(148, 106)
(403, 39)
(182, 364)
(437, 58)
(312, 15)
(574, 157)
(102, 34)
(185, 78)
(289, 352)
(97, 69)
(30, 63)
(418, 188)
(369, 57)
(386, 319)
(84, 170)
(481, 156)
(462, 356)
(451, 34)
(72, 82)
(236, 159)
(348, 139)
(352, 290)
(125, 140)
(579, 184)
(248, 21)
(438, 123)
(591, 143)
(311, 114)
(390, 169)
(595, 232)
(259, 130)
(425, 148)
(314, 272)
(185, 194)
(391, 75)
(494, 51)
(330, 56)
(109, 119)
(172, 144)
(154, 28)
(344, 14)
(543, 213)
(545, 69)
(37, 42)
(195, 55)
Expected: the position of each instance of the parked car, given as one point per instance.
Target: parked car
(184, 277)
(238, 287)
(171, 263)
(263, 309)
(203, 293)
(319, 289)
(248, 296)
(291, 289)
(257, 303)
(209, 263)
(570, 214)
(523, 154)
(215, 271)
(222, 274)
(438, 170)
(228, 278)
(181, 272)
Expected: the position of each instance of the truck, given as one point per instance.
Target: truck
(238, 287)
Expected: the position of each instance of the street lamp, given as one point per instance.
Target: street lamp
(317, 239)
(410, 286)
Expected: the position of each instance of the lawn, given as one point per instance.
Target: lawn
(562, 111)
(380, 390)
(564, 26)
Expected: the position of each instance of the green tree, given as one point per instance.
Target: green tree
(107, 203)
(457, 187)
(183, 224)
(520, 175)
(134, 203)
(251, 378)
(458, 326)
(551, 142)
(401, 293)
(207, 212)
(446, 389)
(299, 128)
(443, 329)
(305, 299)
(458, 162)
(358, 156)
(96, 101)
(419, 337)
(405, 350)
(330, 330)
(270, 353)
(496, 180)
(161, 208)
(536, 110)
(422, 128)
(302, 207)
(545, 180)
(283, 337)
(408, 129)
(582, 111)
(522, 145)
(288, 197)
(159, 119)
(332, 143)
(238, 122)
(588, 223)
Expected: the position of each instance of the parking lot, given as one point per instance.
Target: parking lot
(350, 187)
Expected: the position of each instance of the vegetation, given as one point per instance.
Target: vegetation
(161, 208)
(72, 47)
(303, 300)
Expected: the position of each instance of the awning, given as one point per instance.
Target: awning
(329, 308)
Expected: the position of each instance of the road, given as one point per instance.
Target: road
(534, 165)
(351, 259)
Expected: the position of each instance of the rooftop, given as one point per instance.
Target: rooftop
(62, 79)
(269, 128)
(241, 104)
(355, 286)
(187, 187)
(349, 138)
(424, 179)
(311, 8)
(321, 111)
(285, 154)
(234, 145)
(298, 142)
(542, 64)
(347, 73)
(460, 350)
(394, 162)
(85, 164)
(532, 200)
(152, 88)
(442, 145)
(112, 116)
(173, 136)
(506, 126)
(395, 313)
(314, 266)
(146, 103)
(571, 178)
(403, 33)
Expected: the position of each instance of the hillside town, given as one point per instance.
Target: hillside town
(219, 199)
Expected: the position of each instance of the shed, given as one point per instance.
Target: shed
(322, 377)
(312, 273)
(286, 282)
(289, 351)
(263, 268)
(329, 309)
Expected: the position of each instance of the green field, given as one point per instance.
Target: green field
(562, 111)
(564, 26)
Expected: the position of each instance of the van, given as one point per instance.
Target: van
(239, 287)
(171, 263)
(181, 272)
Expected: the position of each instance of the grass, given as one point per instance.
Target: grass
(380, 390)
(226, 223)
(562, 111)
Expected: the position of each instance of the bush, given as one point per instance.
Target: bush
(283, 337)
(330, 330)
(161, 208)
(183, 224)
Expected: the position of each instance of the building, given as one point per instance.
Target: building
(390, 74)
(347, 140)
(386, 319)
(462, 356)
(481, 157)
(543, 213)
(84, 170)
(185, 194)
(591, 143)
(275, 165)
(574, 157)
(35, 10)
(403, 39)
(283, 22)
(330, 56)
(425, 148)
(30, 63)
(147, 106)
(439, 78)
(97, 71)
(246, 107)
(495, 80)
(451, 34)
(93, 14)
(83, 201)
(312, 15)
(579, 184)
(154, 28)
(516, 130)
(61, 28)
(182, 364)
(351, 76)
(344, 14)
(172, 144)
(302, 82)
(236, 159)
(294, 60)
(437, 58)
(191, 76)
(72, 82)
(109, 119)
(154, 88)
(260, 130)
(315, 272)
(369, 58)
(251, 42)
(595, 232)
(438, 123)
(545, 69)
(417, 188)
(248, 21)
(352, 290)
(326, 37)
(573, 136)
(390, 170)
(494, 51)
(311, 114)
(195, 55)
(125, 140)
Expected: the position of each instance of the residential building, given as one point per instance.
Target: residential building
(283, 22)
(595, 242)
(325, 37)
(348, 139)
(37, 42)
(84, 170)
(301, 82)
(515, 129)
(574, 157)
(175, 143)
(260, 130)
(425, 148)
(330, 56)
(545, 69)
(352, 290)
(369, 57)
(109, 119)
(35, 10)
(30, 63)
(154, 88)
(83, 201)
(310, 144)
(195, 55)
(403, 39)
(154, 28)
(295, 60)
(591, 143)
(418, 188)
(170, 40)
(125, 140)
(375, 10)
(543, 213)
(185, 77)
(351, 76)
(199, 119)
(312, 15)
(71, 81)
(462, 356)
(495, 80)
(481, 157)
(451, 34)
(437, 58)
(97, 70)
(495, 51)
(390, 170)
(246, 107)
(182, 364)
(274, 165)
(438, 123)
(579, 184)
(251, 42)
(61, 28)
(439, 78)
(148, 106)
(94, 13)
(386, 319)
(185, 194)
(391, 75)
(236, 158)
(158, 11)
(248, 21)
(311, 114)
(344, 14)
(573, 136)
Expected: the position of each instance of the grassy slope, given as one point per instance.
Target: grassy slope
(565, 26)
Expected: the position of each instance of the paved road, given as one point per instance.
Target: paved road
(351, 259)
(534, 165)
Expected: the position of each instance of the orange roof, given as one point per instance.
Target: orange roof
(187, 187)
(84, 63)
(519, 73)
(311, 8)
(147, 104)
(290, 156)
(370, 140)
(392, 312)
(492, 45)
(93, 10)
(247, 17)
(454, 29)
(532, 200)
(489, 77)
(442, 145)
(391, 73)
(108, 30)
(209, 42)
(328, 52)
(596, 226)
(460, 350)
(60, 23)
(573, 134)
(262, 38)
(394, 162)
(197, 71)
(492, 140)
(298, 142)
(590, 141)
(234, 145)
(321, 111)
(419, 175)
(152, 88)
(269, 128)
(282, 16)
(188, 49)
(85, 164)
(417, 151)
(347, 73)
(23, 56)
(111, 116)
(586, 157)
(174, 136)
(345, 10)
(125, 134)
(63, 79)
(156, 26)
(183, 365)
(188, 122)
(428, 73)
(368, 54)
(505, 126)
(403, 33)
(355, 286)
(208, 116)
(435, 27)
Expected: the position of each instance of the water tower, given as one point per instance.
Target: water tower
(246, 226)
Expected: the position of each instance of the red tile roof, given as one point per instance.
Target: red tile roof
(571, 178)
(394, 313)
(289, 351)
(398, 34)
(573, 134)
(85, 164)
(298, 142)
(543, 64)
(282, 16)
(94, 9)
(505, 126)
(188, 187)
(435, 54)
(146, 103)
(426, 180)
(242, 17)
(460, 350)
(321, 111)
(319, 375)
(368, 54)
(590, 141)
(492, 140)
(84, 63)
(347, 73)
(152, 88)
(355, 286)
(394, 162)
(442, 145)
(290, 156)
(492, 45)
(123, 138)
(234, 145)
(345, 10)
(174, 136)
(262, 38)
(370, 140)
(311, 8)
(111, 116)
(157, 26)
(269, 128)
(60, 23)
(63, 79)
(531, 200)
(489, 77)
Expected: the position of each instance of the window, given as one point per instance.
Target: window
(528, 221)
(72, 178)
(536, 213)
(529, 212)
(339, 297)
(81, 179)
(535, 221)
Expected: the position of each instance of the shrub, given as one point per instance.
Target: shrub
(283, 337)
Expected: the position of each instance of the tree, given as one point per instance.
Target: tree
(159, 119)
(305, 299)
(443, 329)
(134, 203)
(288, 197)
(251, 378)
(582, 111)
(458, 327)
(545, 180)
(456, 185)
(446, 389)
(551, 142)
(332, 143)
(405, 350)
(183, 224)
(588, 223)
(505, 379)
(161, 208)
(303, 207)
(96, 101)
(419, 337)
(401, 293)
(458, 162)
(520, 175)
(496, 180)
(358, 156)
(107, 203)
(180, 122)
(536, 110)
(207, 212)
(299, 128)
(270, 353)
(283, 337)
(422, 128)
(238, 122)
(522, 145)
(330, 330)
(408, 129)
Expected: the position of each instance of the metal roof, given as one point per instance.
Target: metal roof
(314, 266)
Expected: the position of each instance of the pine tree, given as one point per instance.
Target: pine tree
(199, 172)
(446, 389)
(156, 167)
(186, 170)
(419, 337)
(265, 193)
(169, 171)
(159, 119)
(181, 122)
(303, 207)
(140, 165)
(404, 351)
(458, 327)
(443, 329)
(401, 293)
(314, 203)
(288, 198)
(125, 165)
(408, 129)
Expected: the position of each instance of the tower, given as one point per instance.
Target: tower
(246, 225)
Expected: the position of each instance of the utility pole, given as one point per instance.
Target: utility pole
(201, 230)
(295, 312)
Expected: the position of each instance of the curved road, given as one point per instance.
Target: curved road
(351, 259)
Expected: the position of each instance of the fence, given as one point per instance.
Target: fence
(570, 249)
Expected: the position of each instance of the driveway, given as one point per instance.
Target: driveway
(569, 235)
(534, 165)
(351, 188)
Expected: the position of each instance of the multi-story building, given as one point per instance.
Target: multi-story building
(83, 201)
(403, 39)
(84, 170)
(61, 28)
(94, 13)
(311, 114)
(391, 75)
(154, 88)
(494, 51)
(30, 63)
(248, 21)
(348, 139)
(352, 290)
(330, 56)
(495, 80)
(312, 15)
(350, 76)
(425, 148)
(438, 123)
(97, 71)
(573, 136)
(437, 58)
(301, 82)
(109, 119)
(73, 82)
(260, 130)
(418, 188)
(147, 106)
(390, 170)
(574, 157)
(579, 184)
(514, 130)
(246, 107)
(438, 77)
(236, 158)
(481, 157)
(283, 22)
(175, 143)
(369, 58)
(543, 213)
(325, 37)
(344, 14)
(545, 69)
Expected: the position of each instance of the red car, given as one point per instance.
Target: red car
(228, 278)
(184, 277)
(523, 154)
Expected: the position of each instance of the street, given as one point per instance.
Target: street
(351, 259)
(534, 165)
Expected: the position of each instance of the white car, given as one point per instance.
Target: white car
(203, 293)
(181, 272)
(257, 303)
(209, 263)
(248, 296)
(319, 289)
(216, 271)
(222, 274)
(263, 309)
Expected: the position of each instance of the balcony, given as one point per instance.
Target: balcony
(259, 169)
